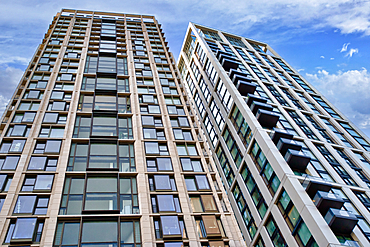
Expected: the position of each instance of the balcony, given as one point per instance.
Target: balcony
(340, 221)
(297, 160)
(316, 184)
(227, 60)
(228, 63)
(246, 88)
(259, 105)
(279, 133)
(267, 119)
(324, 201)
(252, 98)
(285, 144)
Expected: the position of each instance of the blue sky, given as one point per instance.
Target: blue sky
(327, 41)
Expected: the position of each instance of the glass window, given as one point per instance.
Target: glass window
(92, 232)
(101, 193)
(24, 229)
(170, 225)
(10, 163)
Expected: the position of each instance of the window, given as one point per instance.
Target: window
(165, 203)
(180, 122)
(162, 183)
(182, 134)
(9, 162)
(191, 165)
(18, 131)
(60, 95)
(225, 164)
(33, 94)
(105, 103)
(274, 233)
(173, 110)
(169, 226)
(101, 193)
(159, 164)
(151, 109)
(203, 203)
(39, 84)
(209, 226)
(68, 233)
(187, 149)
(24, 230)
(254, 191)
(156, 148)
(151, 133)
(197, 183)
(42, 163)
(53, 132)
(16, 146)
(31, 205)
(294, 221)
(54, 118)
(103, 156)
(33, 106)
(5, 181)
(233, 147)
(58, 106)
(49, 146)
(267, 172)
(38, 183)
(26, 117)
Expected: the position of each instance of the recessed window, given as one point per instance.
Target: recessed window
(49, 146)
(156, 148)
(51, 132)
(102, 193)
(162, 183)
(18, 131)
(159, 164)
(198, 182)
(165, 203)
(42, 163)
(188, 149)
(16, 146)
(31, 205)
(68, 233)
(180, 122)
(9, 162)
(26, 117)
(5, 181)
(24, 230)
(203, 203)
(38, 183)
(191, 165)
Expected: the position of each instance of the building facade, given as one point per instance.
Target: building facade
(100, 147)
(296, 171)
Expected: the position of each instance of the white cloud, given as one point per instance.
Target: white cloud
(331, 58)
(351, 52)
(9, 79)
(349, 91)
(345, 46)
(322, 57)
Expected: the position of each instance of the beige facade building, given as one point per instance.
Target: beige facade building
(296, 171)
(100, 146)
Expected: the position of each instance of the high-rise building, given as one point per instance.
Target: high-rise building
(100, 147)
(296, 171)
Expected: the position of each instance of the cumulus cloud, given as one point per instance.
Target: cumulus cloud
(331, 58)
(349, 91)
(322, 57)
(344, 47)
(351, 52)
